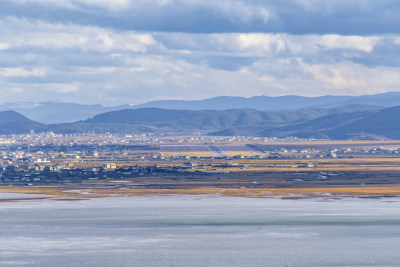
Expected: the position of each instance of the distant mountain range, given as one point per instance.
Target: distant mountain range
(59, 112)
(217, 119)
(352, 121)
(266, 103)
(164, 120)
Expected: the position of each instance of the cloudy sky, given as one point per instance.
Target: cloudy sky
(132, 51)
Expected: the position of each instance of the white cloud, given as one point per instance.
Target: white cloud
(61, 88)
(113, 5)
(267, 44)
(260, 43)
(237, 44)
(4, 46)
(90, 64)
(313, 79)
(143, 78)
(361, 43)
(38, 34)
(22, 72)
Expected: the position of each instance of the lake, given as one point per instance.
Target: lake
(200, 231)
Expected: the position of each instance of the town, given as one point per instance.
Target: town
(32, 159)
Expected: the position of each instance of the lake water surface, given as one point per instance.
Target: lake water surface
(200, 231)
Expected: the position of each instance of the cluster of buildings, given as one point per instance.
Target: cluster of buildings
(49, 156)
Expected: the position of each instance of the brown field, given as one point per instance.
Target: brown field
(277, 183)
(85, 193)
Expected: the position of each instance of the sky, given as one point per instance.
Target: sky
(116, 52)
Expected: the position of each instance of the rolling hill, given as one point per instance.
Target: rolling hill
(346, 122)
(12, 122)
(215, 119)
(57, 112)
(357, 125)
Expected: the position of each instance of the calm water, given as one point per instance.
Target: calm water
(200, 231)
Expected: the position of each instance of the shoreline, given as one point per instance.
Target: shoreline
(66, 193)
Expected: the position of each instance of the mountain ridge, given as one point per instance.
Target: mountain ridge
(278, 103)
(64, 112)
(344, 122)
(148, 119)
